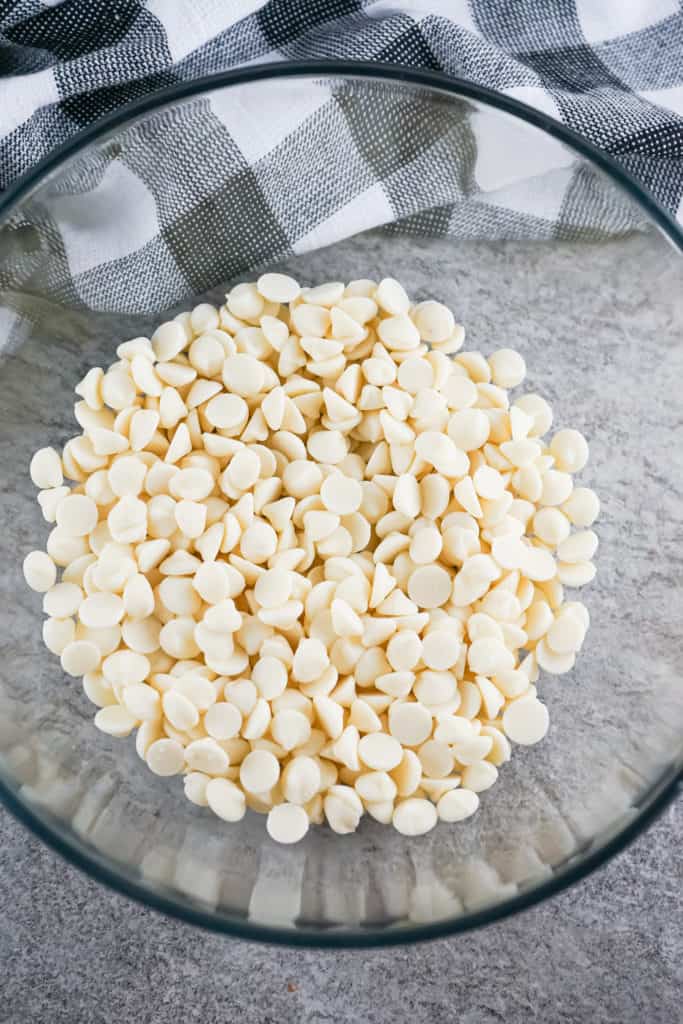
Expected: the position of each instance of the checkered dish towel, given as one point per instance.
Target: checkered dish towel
(610, 69)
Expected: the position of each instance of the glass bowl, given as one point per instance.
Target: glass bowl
(584, 279)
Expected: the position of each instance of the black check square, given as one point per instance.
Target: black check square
(412, 187)
(410, 47)
(35, 261)
(238, 231)
(361, 38)
(528, 26)
(324, 153)
(427, 222)
(493, 223)
(662, 176)
(571, 69)
(391, 127)
(284, 20)
(26, 144)
(649, 59)
(87, 107)
(116, 76)
(73, 28)
(147, 279)
(472, 57)
(591, 211)
(184, 156)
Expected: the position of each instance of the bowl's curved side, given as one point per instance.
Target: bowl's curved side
(587, 854)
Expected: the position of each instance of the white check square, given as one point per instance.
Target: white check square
(115, 219)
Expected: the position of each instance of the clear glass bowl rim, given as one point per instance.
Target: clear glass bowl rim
(665, 788)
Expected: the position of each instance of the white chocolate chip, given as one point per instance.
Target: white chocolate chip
(310, 660)
(259, 771)
(380, 751)
(526, 720)
(410, 723)
(457, 804)
(278, 288)
(100, 611)
(46, 469)
(391, 296)
(243, 375)
(115, 721)
(580, 547)
(287, 823)
(582, 507)
(441, 649)
(414, 817)
(40, 572)
(301, 779)
(434, 321)
(62, 600)
(226, 800)
(77, 515)
(429, 586)
(507, 368)
(58, 633)
(341, 494)
(80, 657)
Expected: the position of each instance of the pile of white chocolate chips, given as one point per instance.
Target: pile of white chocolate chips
(315, 557)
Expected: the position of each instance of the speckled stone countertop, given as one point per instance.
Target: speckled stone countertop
(609, 950)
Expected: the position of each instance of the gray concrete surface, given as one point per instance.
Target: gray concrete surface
(608, 952)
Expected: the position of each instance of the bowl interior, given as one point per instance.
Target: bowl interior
(598, 321)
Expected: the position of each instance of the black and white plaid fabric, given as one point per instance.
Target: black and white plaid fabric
(610, 69)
